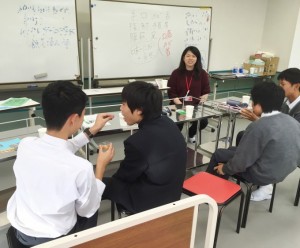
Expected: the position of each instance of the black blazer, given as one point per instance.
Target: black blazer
(153, 170)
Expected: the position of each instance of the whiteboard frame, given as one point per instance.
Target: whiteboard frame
(154, 4)
(79, 77)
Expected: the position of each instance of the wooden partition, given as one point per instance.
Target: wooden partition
(172, 225)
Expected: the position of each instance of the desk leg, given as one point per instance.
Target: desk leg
(196, 143)
(218, 132)
(232, 128)
(215, 89)
(187, 124)
(228, 129)
(31, 113)
(90, 105)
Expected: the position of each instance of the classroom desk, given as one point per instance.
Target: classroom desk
(107, 92)
(17, 133)
(231, 112)
(30, 105)
(103, 91)
(222, 77)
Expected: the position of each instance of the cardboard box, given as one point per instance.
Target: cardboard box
(271, 65)
(260, 68)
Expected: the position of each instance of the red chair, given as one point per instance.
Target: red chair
(221, 190)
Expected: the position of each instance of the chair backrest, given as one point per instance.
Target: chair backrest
(171, 225)
(217, 188)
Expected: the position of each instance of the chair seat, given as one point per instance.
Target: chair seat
(219, 189)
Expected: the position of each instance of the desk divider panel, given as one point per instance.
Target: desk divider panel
(173, 230)
(170, 225)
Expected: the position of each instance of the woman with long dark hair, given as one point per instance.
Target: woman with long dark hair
(189, 84)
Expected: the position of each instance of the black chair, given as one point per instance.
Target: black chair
(297, 195)
(12, 240)
(250, 187)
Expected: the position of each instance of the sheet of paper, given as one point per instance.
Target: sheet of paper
(14, 102)
(9, 145)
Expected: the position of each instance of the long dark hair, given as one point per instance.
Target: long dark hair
(198, 66)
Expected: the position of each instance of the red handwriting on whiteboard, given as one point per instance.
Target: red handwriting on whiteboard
(167, 42)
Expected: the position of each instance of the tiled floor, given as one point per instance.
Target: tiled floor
(264, 230)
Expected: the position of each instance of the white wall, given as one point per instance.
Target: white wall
(279, 29)
(237, 27)
(295, 53)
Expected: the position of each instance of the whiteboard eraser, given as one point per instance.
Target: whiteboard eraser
(131, 80)
(41, 75)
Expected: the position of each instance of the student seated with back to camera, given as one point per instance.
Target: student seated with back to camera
(153, 170)
(57, 192)
(270, 147)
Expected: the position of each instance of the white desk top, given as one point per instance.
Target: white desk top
(107, 91)
(103, 91)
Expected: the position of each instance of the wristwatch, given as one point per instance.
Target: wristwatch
(88, 133)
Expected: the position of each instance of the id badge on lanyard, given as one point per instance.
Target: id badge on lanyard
(188, 86)
(188, 99)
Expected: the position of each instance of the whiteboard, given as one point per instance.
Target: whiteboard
(138, 40)
(38, 38)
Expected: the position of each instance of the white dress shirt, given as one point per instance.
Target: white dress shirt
(53, 186)
(274, 112)
(294, 103)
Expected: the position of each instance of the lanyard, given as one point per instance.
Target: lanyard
(188, 83)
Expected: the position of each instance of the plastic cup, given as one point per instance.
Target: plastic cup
(42, 131)
(105, 145)
(164, 83)
(189, 110)
(246, 99)
(159, 82)
(252, 70)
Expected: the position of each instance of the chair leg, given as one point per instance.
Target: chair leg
(220, 216)
(297, 195)
(218, 225)
(238, 226)
(247, 203)
(112, 210)
(272, 198)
